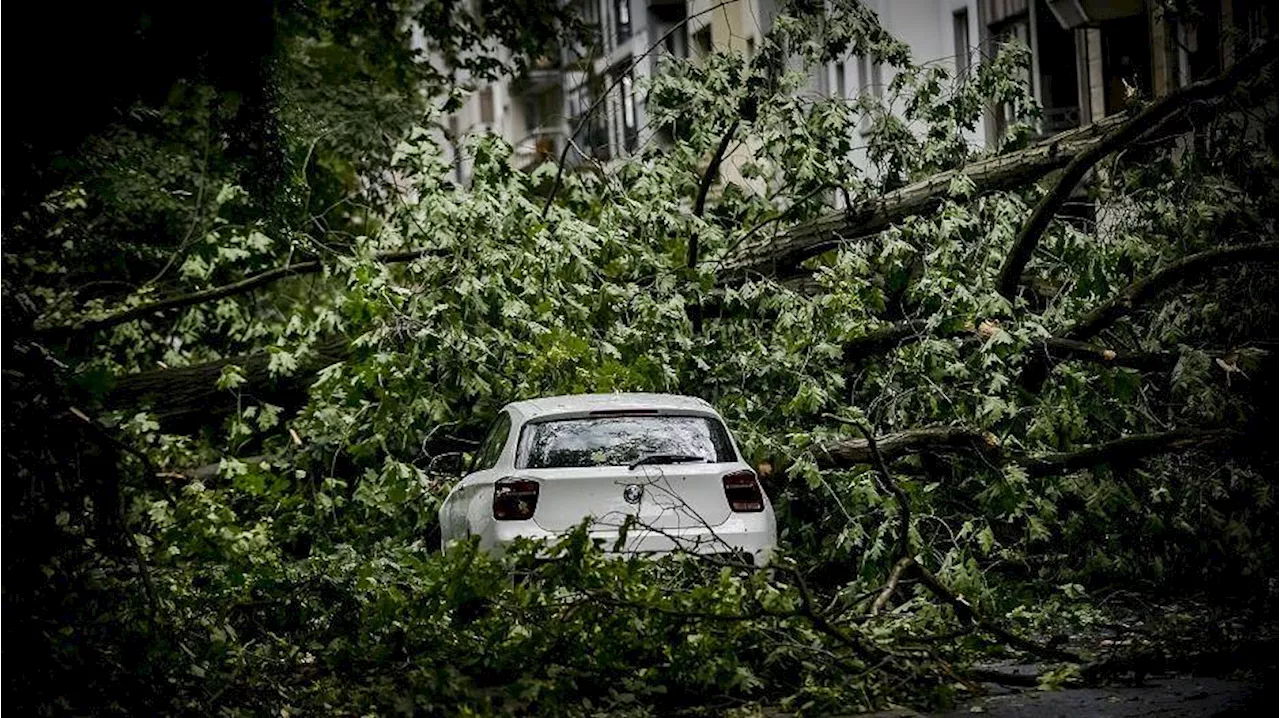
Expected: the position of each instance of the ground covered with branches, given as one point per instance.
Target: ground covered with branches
(996, 401)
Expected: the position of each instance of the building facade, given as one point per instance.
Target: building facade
(594, 83)
(1089, 59)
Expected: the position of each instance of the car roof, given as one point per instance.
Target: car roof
(582, 403)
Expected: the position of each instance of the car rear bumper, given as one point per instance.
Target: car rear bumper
(744, 538)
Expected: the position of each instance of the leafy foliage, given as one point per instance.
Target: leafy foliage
(301, 574)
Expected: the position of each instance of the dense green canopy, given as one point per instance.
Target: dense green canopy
(235, 347)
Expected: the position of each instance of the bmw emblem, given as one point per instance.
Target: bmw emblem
(632, 493)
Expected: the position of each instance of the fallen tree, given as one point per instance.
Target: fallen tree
(959, 440)
(185, 398)
(297, 555)
(1148, 122)
(1079, 149)
(781, 256)
(770, 257)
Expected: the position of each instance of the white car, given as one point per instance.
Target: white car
(548, 464)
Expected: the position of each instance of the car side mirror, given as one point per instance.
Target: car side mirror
(448, 464)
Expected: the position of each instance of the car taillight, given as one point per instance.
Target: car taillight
(514, 499)
(743, 492)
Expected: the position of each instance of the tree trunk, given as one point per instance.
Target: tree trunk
(184, 398)
(844, 454)
(852, 452)
(781, 256)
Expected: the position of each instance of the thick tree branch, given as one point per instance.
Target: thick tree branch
(1137, 294)
(900, 569)
(1152, 116)
(704, 187)
(185, 396)
(1061, 349)
(887, 484)
(713, 170)
(780, 255)
(1148, 288)
(243, 286)
(884, 339)
(853, 452)
(1127, 448)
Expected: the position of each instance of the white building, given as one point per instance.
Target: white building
(1089, 57)
(946, 32)
(538, 113)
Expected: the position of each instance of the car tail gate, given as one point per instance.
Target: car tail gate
(569, 495)
(662, 497)
(684, 495)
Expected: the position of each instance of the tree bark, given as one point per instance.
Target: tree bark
(1139, 293)
(1129, 448)
(853, 452)
(1148, 288)
(187, 397)
(1062, 349)
(780, 256)
(878, 341)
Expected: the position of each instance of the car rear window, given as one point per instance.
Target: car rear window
(620, 440)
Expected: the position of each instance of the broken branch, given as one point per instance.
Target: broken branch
(242, 286)
(1024, 245)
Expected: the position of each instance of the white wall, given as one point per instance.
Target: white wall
(926, 26)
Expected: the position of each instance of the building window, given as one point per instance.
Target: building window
(622, 19)
(669, 21)
(1255, 22)
(540, 109)
(997, 11)
(869, 79)
(486, 105)
(1011, 28)
(869, 83)
(626, 129)
(839, 84)
(1126, 62)
(960, 29)
(1057, 85)
(1198, 47)
(676, 44)
(702, 41)
(594, 138)
(589, 11)
(631, 133)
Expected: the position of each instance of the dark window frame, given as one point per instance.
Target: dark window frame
(501, 427)
(622, 20)
(960, 32)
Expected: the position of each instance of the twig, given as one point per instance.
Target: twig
(144, 573)
(704, 187)
(240, 287)
(901, 567)
(966, 612)
(888, 484)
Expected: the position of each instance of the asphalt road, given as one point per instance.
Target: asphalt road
(1183, 697)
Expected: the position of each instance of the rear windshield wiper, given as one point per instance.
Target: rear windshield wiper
(665, 459)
